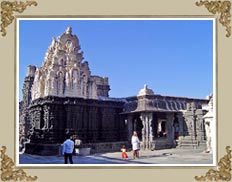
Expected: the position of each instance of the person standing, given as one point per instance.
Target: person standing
(135, 145)
(68, 147)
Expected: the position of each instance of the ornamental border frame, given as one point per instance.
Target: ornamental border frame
(8, 171)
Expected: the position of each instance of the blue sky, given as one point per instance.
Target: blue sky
(173, 57)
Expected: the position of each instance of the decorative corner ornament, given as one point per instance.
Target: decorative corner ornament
(221, 7)
(7, 169)
(224, 169)
(7, 9)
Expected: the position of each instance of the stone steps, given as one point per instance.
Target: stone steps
(188, 142)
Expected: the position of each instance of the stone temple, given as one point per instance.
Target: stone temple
(62, 97)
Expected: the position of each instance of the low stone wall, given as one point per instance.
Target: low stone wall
(83, 149)
(105, 147)
(42, 149)
(162, 144)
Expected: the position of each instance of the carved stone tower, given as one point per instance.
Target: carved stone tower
(65, 74)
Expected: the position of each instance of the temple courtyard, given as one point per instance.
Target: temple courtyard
(176, 156)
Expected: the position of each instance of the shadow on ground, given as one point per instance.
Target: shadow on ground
(91, 159)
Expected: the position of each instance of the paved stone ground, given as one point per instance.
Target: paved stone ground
(168, 156)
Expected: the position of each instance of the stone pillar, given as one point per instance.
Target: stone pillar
(200, 128)
(209, 125)
(189, 117)
(130, 127)
(134, 124)
(147, 130)
(159, 125)
(208, 128)
(181, 123)
(151, 136)
(169, 125)
(142, 117)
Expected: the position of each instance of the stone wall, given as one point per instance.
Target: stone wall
(24, 121)
(105, 147)
(91, 121)
(102, 85)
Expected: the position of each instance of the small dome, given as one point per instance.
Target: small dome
(145, 91)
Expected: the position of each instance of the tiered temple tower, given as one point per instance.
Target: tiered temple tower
(65, 74)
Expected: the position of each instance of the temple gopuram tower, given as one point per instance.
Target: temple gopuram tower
(65, 74)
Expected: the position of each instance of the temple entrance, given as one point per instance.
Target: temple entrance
(156, 130)
(163, 126)
(138, 126)
(162, 129)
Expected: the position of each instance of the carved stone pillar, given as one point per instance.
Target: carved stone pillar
(143, 132)
(147, 130)
(159, 127)
(151, 136)
(181, 123)
(170, 129)
(129, 127)
(143, 119)
(200, 126)
(189, 117)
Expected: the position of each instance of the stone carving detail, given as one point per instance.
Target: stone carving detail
(64, 74)
(147, 131)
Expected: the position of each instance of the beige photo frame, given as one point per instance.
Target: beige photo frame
(178, 8)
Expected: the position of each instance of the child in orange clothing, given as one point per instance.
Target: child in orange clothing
(124, 154)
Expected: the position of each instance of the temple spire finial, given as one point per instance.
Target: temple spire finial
(68, 30)
(145, 91)
(145, 86)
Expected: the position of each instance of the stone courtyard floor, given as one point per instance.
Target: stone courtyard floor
(174, 157)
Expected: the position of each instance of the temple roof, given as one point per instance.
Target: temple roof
(147, 101)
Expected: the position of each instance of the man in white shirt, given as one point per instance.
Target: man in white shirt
(135, 145)
(68, 147)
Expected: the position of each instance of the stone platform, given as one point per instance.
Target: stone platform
(42, 149)
(83, 149)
